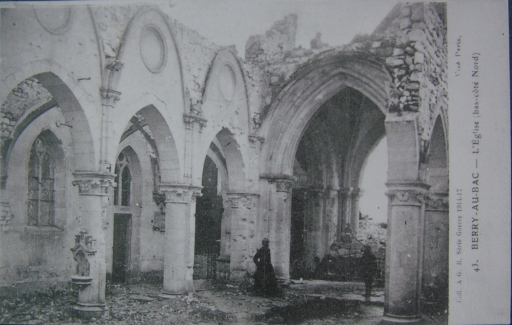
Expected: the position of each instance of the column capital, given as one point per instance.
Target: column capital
(179, 193)
(284, 185)
(283, 182)
(437, 202)
(355, 192)
(242, 199)
(352, 192)
(110, 95)
(254, 140)
(93, 183)
(331, 192)
(196, 192)
(407, 193)
(190, 119)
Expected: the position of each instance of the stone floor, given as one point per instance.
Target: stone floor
(304, 302)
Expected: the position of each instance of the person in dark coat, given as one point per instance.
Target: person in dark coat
(369, 269)
(265, 281)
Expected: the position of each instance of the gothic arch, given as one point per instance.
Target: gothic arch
(437, 165)
(161, 140)
(225, 85)
(234, 161)
(220, 162)
(166, 72)
(135, 172)
(60, 142)
(362, 151)
(310, 88)
(133, 209)
(67, 96)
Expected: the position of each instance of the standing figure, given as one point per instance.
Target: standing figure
(265, 281)
(369, 268)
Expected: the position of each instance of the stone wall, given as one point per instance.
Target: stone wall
(196, 54)
(275, 54)
(412, 41)
(28, 94)
(276, 42)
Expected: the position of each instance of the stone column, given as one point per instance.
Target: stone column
(331, 216)
(355, 194)
(194, 124)
(195, 192)
(89, 251)
(109, 98)
(344, 207)
(406, 213)
(404, 253)
(243, 216)
(178, 198)
(280, 229)
(317, 214)
(435, 262)
(315, 227)
(223, 261)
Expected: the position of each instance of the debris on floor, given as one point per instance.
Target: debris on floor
(315, 302)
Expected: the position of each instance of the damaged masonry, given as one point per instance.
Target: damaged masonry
(132, 148)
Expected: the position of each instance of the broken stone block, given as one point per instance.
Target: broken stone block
(398, 51)
(417, 12)
(394, 61)
(417, 35)
(404, 23)
(419, 57)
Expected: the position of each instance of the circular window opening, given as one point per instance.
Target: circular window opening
(152, 48)
(53, 20)
(227, 82)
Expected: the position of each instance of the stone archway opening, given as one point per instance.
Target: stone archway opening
(145, 158)
(28, 101)
(222, 229)
(209, 213)
(329, 160)
(126, 217)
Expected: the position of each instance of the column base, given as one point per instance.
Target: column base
(395, 319)
(88, 311)
(283, 282)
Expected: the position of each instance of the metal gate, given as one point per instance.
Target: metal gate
(211, 261)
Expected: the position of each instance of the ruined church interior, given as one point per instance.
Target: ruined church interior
(134, 150)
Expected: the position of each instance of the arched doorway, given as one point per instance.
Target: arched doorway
(225, 213)
(209, 212)
(145, 158)
(126, 216)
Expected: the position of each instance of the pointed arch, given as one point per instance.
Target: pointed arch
(311, 86)
(67, 96)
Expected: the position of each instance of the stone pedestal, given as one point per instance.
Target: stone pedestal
(177, 277)
(93, 200)
(404, 253)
